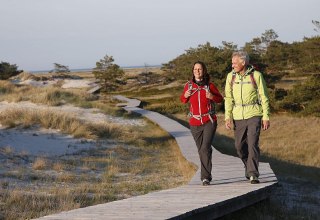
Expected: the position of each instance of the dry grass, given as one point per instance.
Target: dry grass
(288, 82)
(65, 122)
(39, 164)
(119, 173)
(50, 95)
(26, 205)
(132, 72)
(59, 166)
(7, 150)
(6, 87)
(66, 177)
(291, 139)
(146, 159)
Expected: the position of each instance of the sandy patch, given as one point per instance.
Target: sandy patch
(36, 83)
(92, 115)
(45, 142)
(66, 83)
(75, 83)
(50, 142)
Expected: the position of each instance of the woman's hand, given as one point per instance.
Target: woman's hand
(187, 94)
(209, 95)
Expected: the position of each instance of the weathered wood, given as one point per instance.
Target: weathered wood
(229, 190)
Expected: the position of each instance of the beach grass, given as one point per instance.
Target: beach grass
(146, 159)
(140, 164)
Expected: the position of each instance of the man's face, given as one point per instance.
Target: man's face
(238, 64)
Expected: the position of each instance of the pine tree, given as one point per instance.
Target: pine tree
(108, 73)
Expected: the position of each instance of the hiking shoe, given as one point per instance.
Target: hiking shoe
(205, 182)
(254, 180)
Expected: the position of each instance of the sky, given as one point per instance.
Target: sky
(78, 33)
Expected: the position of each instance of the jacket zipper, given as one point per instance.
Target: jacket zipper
(199, 91)
(241, 78)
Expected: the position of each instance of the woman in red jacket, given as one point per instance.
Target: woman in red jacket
(202, 96)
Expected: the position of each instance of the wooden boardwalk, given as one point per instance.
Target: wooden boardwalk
(229, 191)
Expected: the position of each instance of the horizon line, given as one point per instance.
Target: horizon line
(87, 69)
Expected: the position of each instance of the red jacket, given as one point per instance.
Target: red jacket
(201, 108)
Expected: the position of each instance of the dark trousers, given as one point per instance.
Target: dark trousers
(203, 136)
(247, 134)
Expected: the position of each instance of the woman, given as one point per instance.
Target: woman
(202, 96)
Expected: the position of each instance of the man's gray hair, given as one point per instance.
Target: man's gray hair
(242, 55)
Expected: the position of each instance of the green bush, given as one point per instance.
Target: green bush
(8, 70)
(304, 98)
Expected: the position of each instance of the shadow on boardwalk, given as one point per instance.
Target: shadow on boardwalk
(230, 191)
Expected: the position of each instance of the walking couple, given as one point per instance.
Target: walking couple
(246, 107)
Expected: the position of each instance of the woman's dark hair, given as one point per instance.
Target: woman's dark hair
(206, 77)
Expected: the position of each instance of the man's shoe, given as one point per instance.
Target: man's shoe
(205, 182)
(254, 180)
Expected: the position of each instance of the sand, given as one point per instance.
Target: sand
(39, 141)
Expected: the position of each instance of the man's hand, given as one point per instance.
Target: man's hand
(265, 124)
(228, 124)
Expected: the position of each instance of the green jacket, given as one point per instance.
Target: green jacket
(242, 100)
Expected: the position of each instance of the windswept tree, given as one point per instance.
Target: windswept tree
(108, 73)
(8, 70)
(59, 68)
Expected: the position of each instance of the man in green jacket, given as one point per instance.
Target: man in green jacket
(247, 106)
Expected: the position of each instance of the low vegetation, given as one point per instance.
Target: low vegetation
(136, 165)
(144, 158)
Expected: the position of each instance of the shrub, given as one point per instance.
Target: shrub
(8, 70)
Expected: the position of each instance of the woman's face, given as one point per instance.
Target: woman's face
(198, 72)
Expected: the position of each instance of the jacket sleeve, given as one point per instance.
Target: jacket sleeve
(182, 98)
(228, 99)
(217, 97)
(263, 93)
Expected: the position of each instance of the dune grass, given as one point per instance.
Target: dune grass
(145, 159)
(65, 122)
(50, 95)
(55, 96)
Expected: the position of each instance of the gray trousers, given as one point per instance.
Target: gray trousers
(203, 136)
(247, 134)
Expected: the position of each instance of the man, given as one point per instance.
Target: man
(247, 106)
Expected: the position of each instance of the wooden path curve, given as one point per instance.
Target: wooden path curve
(229, 191)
